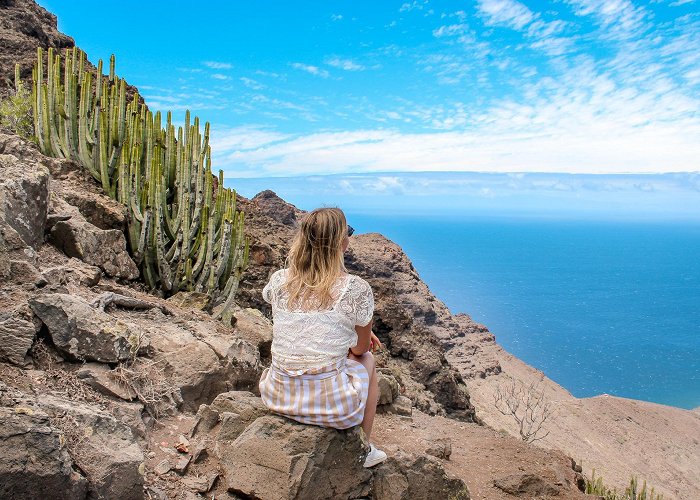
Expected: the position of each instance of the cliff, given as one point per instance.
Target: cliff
(166, 405)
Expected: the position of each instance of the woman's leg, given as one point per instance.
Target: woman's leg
(367, 360)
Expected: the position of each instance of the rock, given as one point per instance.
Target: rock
(405, 477)
(83, 332)
(33, 462)
(99, 210)
(440, 448)
(182, 463)
(104, 448)
(245, 404)
(26, 25)
(526, 485)
(235, 410)
(99, 377)
(198, 484)
(401, 406)
(16, 338)
(388, 388)
(163, 467)
(276, 458)
(24, 198)
(105, 249)
(276, 208)
(205, 420)
(191, 300)
(253, 326)
(74, 271)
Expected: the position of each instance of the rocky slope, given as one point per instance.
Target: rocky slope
(102, 418)
(618, 437)
(110, 392)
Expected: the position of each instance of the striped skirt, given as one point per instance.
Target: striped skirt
(332, 396)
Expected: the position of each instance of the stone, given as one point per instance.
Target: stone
(82, 332)
(405, 476)
(278, 458)
(163, 467)
(74, 271)
(198, 484)
(24, 198)
(440, 448)
(402, 405)
(100, 210)
(182, 463)
(16, 338)
(388, 388)
(252, 325)
(525, 485)
(191, 300)
(98, 376)
(245, 404)
(33, 461)
(105, 249)
(105, 449)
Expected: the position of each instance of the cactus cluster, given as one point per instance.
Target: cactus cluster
(183, 227)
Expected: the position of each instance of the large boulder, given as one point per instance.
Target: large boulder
(82, 332)
(24, 198)
(33, 461)
(104, 448)
(407, 477)
(198, 356)
(105, 249)
(276, 458)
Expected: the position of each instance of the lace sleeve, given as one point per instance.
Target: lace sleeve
(362, 301)
(268, 292)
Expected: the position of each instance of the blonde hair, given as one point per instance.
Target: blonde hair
(315, 260)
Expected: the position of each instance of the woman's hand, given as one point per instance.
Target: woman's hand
(374, 343)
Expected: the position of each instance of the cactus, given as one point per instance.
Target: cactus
(183, 227)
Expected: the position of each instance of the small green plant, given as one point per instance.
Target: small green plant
(16, 110)
(595, 486)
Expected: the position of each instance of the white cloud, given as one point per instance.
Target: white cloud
(336, 17)
(415, 5)
(510, 13)
(621, 18)
(314, 70)
(346, 64)
(217, 65)
(219, 76)
(251, 84)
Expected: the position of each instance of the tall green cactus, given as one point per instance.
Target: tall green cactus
(184, 230)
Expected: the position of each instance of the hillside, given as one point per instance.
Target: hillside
(103, 420)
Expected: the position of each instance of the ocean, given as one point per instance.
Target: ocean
(592, 278)
(599, 306)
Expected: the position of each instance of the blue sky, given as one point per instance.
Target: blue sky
(306, 88)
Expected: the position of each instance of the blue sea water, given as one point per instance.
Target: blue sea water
(592, 278)
(599, 306)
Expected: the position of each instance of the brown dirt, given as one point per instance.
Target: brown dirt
(480, 454)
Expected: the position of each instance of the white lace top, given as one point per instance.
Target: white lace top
(303, 340)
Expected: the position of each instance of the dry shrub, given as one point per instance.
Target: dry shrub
(61, 381)
(147, 380)
(527, 405)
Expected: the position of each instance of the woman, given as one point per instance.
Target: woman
(322, 370)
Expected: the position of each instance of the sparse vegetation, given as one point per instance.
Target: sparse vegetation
(595, 486)
(16, 110)
(527, 405)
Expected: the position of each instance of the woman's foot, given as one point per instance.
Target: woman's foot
(374, 457)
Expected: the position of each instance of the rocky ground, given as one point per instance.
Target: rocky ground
(109, 392)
